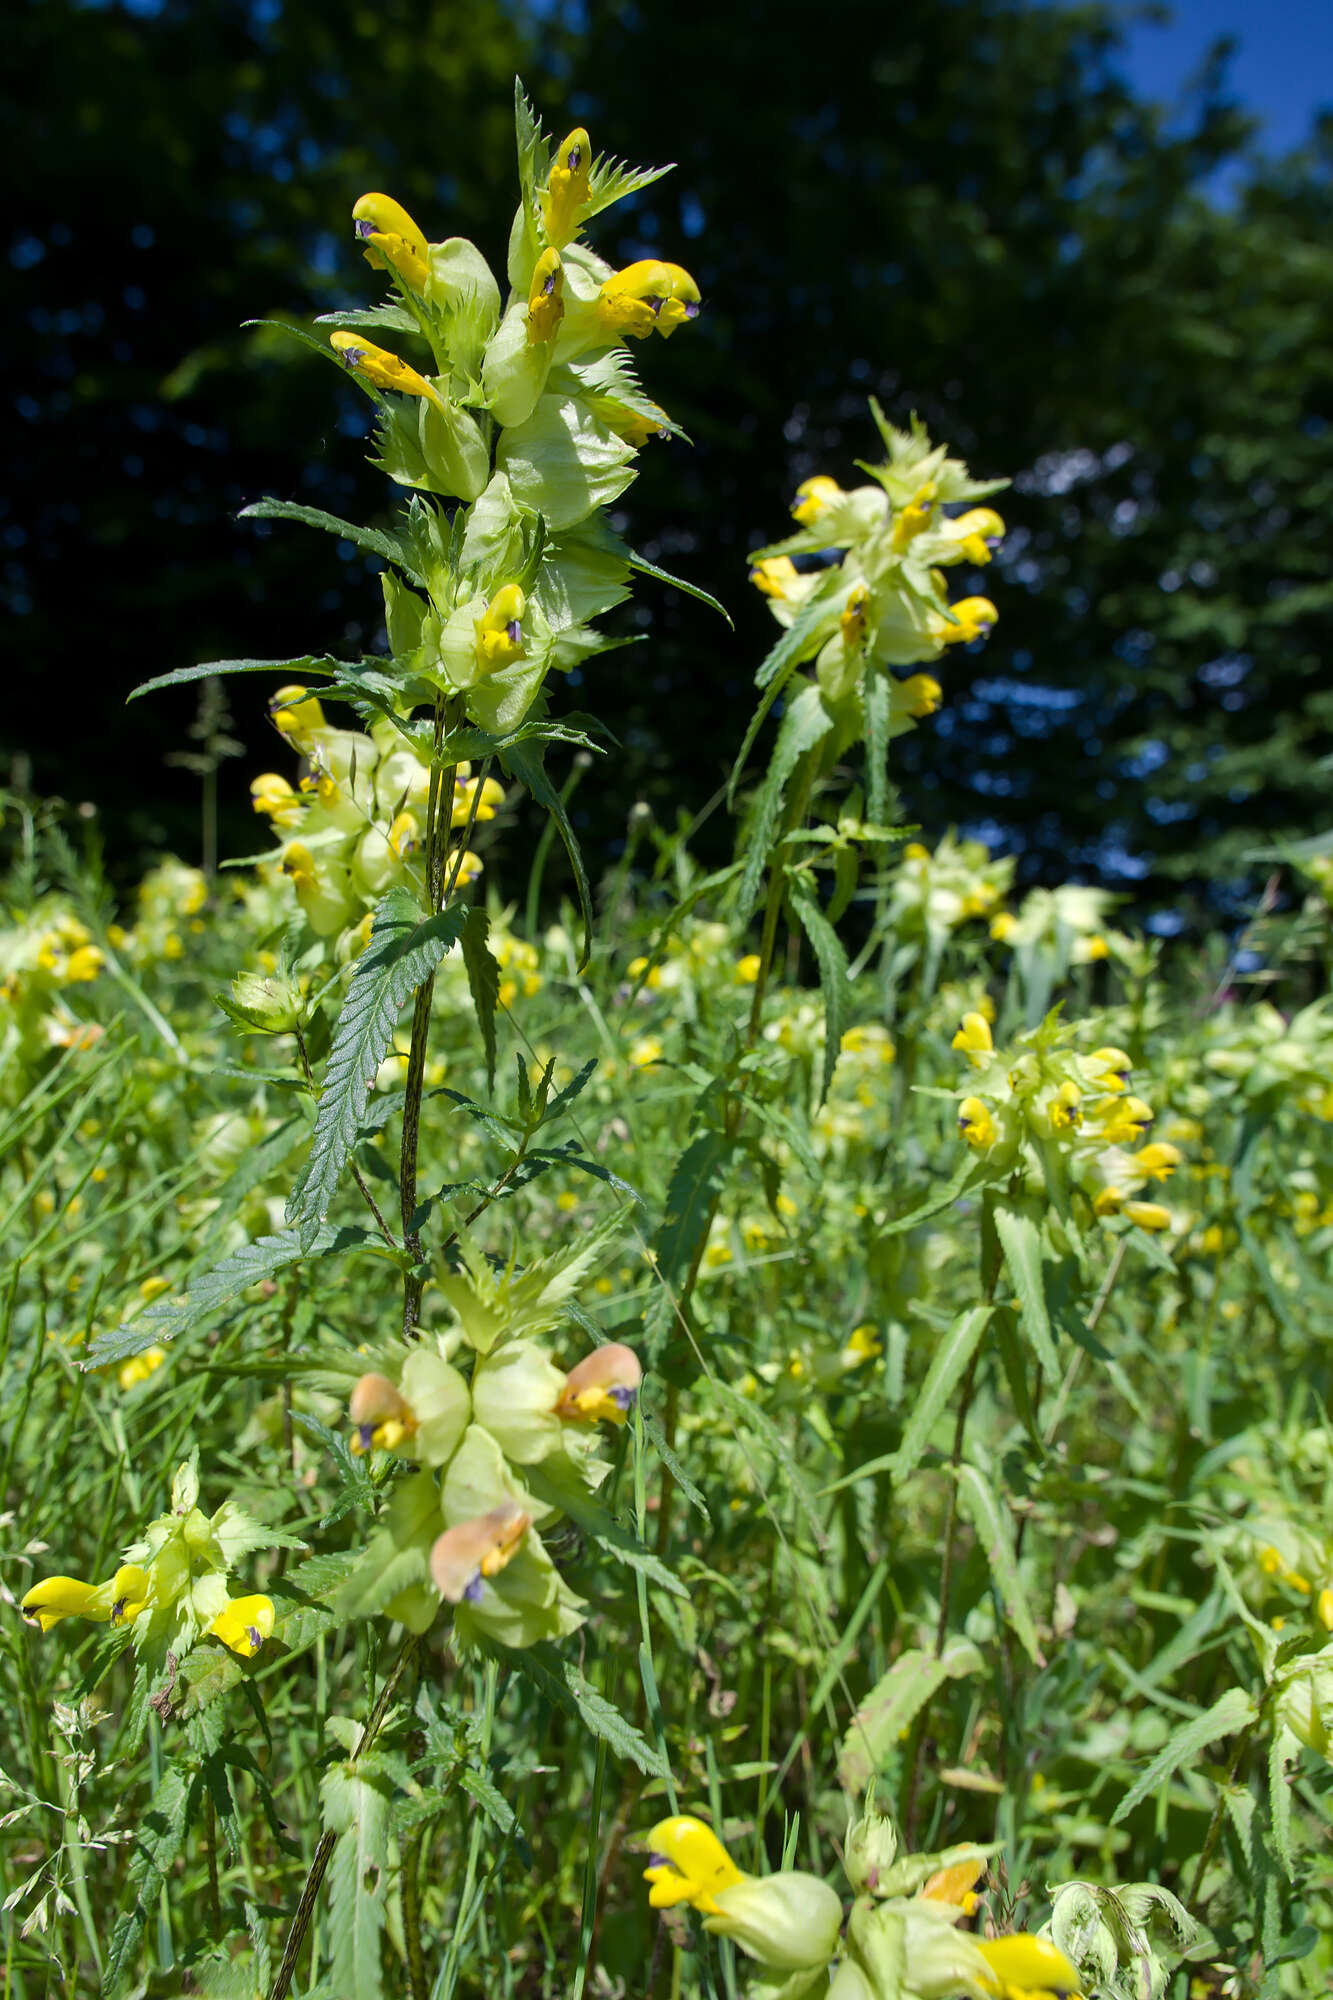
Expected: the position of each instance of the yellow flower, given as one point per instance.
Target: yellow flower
(788, 1920)
(1115, 1067)
(1066, 1108)
(295, 712)
(974, 1037)
(244, 1625)
(689, 1864)
(396, 242)
(812, 497)
(923, 694)
(747, 969)
(775, 576)
(1003, 926)
(567, 187)
(1324, 1609)
(915, 517)
(469, 869)
(382, 369)
(382, 1415)
(648, 1049)
(140, 1366)
(546, 298)
(862, 1345)
(1148, 1214)
(464, 1555)
(84, 964)
(272, 795)
(1158, 1161)
(1023, 1967)
(973, 619)
(118, 1602)
(856, 617)
(647, 297)
(404, 835)
(500, 629)
(602, 1387)
(488, 792)
(976, 1125)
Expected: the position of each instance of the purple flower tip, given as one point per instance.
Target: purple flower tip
(514, 631)
(575, 158)
(623, 1398)
(472, 1591)
(366, 1436)
(255, 1637)
(692, 309)
(363, 228)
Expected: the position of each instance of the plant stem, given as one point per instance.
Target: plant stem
(1219, 1806)
(305, 1909)
(410, 1888)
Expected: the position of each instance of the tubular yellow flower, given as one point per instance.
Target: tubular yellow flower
(1028, 1966)
(382, 369)
(1116, 1066)
(1066, 1108)
(131, 1588)
(567, 187)
(956, 1885)
(546, 298)
(395, 241)
(812, 497)
(382, 1416)
(602, 1387)
(1124, 1120)
(83, 965)
(500, 629)
(747, 969)
(862, 1345)
(299, 864)
(466, 1555)
(1324, 1609)
(273, 796)
(915, 517)
(404, 835)
(140, 1366)
(856, 618)
(974, 617)
(244, 1625)
(976, 1124)
(688, 1864)
(1109, 1202)
(295, 712)
(1158, 1161)
(1148, 1214)
(488, 792)
(648, 297)
(972, 534)
(924, 695)
(58, 1597)
(775, 576)
(974, 1036)
(469, 869)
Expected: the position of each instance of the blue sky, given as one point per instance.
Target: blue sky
(1282, 71)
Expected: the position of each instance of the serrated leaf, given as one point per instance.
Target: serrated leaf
(403, 952)
(483, 978)
(989, 1515)
(805, 724)
(166, 1318)
(944, 1196)
(696, 1181)
(1233, 1711)
(948, 1364)
(524, 762)
(1021, 1242)
(893, 1704)
(561, 1683)
(358, 1811)
(371, 539)
(161, 1834)
(396, 317)
(653, 1432)
(832, 962)
(310, 663)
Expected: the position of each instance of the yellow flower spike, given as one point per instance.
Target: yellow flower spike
(83, 965)
(244, 1625)
(775, 576)
(1066, 1108)
(382, 369)
(500, 629)
(377, 216)
(1148, 1214)
(688, 1864)
(974, 1036)
(474, 1550)
(57, 1597)
(1027, 1964)
(856, 618)
(1158, 1161)
(295, 712)
(567, 187)
(812, 497)
(273, 796)
(976, 1125)
(404, 835)
(973, 616)
(924, 695)
(602, 1387)
(1323, 1609)
(914, 519)
(382, 1416)
(546, 298)
(647, 297)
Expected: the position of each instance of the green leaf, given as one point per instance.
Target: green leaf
(483, 978)
(1021, 1242)
(948, 1365)
(646, 568)
(213, 1290)
(989, 1515)
(692, 1192)
(161, 1831)
(403, 952)
(875, 701)
(1232, 1712)
(357, 1810)
(944, 1196)
(561, 1683)
(886, 1715)
(371, 539)
(753, 1417)
(805, 724)
(397, 318)
(653, 1432)
(832, 962)
(311, 663)
(525, 762)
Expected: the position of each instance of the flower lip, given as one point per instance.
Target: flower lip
(363, 227)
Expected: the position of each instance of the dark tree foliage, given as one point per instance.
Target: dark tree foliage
(959, 207)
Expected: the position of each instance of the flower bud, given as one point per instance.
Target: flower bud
(789, 1920)
(871, 1849)
(475, 1550)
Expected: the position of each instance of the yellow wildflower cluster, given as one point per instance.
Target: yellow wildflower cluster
(169, 913)
(44, 963)
(1041, 1099)
(934, 894)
